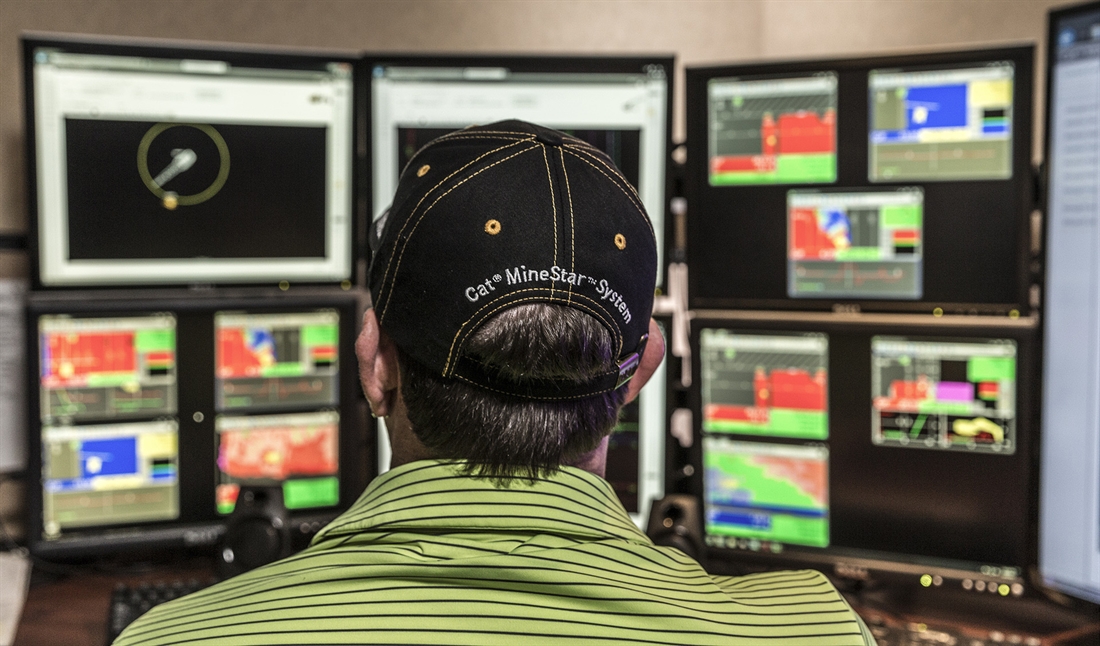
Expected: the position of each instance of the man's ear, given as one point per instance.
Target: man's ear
(651, 358)
(379, 373)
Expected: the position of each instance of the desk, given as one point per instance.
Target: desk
(72, 610)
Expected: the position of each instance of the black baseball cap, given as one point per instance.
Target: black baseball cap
(511, 213)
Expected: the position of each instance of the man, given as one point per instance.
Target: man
(512, 284)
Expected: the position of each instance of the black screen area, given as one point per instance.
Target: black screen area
(210, 190)
(622, 146)
(622, 457)
(187, 443)
(957, 502)
(965, 505)
(972, 234)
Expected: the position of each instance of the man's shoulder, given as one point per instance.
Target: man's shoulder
(808, 590)
(543, 590)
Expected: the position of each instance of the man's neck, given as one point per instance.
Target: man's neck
(407, 447)
(595, 461)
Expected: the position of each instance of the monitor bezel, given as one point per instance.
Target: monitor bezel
(864, 565)
(1023, 174)
(236, 54)
(130, 540)
(523, 63)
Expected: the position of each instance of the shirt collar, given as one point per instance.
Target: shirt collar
(437, 497)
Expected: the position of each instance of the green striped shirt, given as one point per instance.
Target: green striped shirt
(430, 556)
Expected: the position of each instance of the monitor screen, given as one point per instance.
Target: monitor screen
(107, 367)
(161, 164)
(771, 385)
(1069, 519)
(945, 395)
(777, 493)
(875, 449)
(844, 243)
(888, 184)
(941, 125)
(99, 369)
(780, 131)
(152, 414)
(623, 106)
(620, 105)
(108, 474)
(276, 360)
(298, 452)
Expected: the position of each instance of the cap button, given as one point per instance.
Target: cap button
(548, 137)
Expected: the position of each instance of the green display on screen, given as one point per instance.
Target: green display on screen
(767, 491)
(311, 492)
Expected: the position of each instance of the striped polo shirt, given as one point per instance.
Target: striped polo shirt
(431, 556)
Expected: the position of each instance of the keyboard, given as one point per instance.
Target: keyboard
(130, 602)
(920, 634)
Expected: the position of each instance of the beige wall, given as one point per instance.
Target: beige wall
(698, 31)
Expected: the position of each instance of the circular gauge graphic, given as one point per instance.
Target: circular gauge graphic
(191, 162)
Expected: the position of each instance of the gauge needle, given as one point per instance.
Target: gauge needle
(182, 159)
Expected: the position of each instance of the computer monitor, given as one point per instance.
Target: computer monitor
(169, 163)
(877, 449)
(621, 105)
(149, 414)
(892, 184)
(1069, 518)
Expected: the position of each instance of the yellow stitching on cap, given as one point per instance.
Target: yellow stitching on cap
(590, 157)
(397, 241)
(633, 197)
(485, 365)
(389, 263)
(448, 191)
(620, 241)
(469, 135)
(401, 256)
(597, 312)
(553, 205)
(611, 173)
(423, 170)
(481, 315)
(484, 134)
(461, 337)
(459, 134)
(598, 392)
(492, 227)
(572, 226)
(464, 132)
(573, 140)
(598, 155)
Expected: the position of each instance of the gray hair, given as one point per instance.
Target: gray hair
(501, 436)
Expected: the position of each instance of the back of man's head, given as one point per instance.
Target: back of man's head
(515, 274)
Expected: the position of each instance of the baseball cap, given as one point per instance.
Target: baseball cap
(506, 214)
